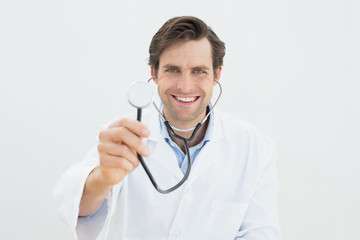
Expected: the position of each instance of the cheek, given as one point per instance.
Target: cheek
(163, 81)
(162, 87)
(207, 85)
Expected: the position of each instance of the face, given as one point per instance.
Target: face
(185, 81)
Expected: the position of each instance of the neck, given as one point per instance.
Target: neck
(196, 140)
(184, 126)
(199, 135)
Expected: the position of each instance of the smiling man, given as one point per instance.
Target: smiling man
(231, 192)
(185, 80)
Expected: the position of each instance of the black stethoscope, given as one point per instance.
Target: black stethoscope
(140, 95)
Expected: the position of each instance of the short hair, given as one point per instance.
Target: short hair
(181, 29)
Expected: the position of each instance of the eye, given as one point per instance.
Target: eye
(199, 71)
(171, 70)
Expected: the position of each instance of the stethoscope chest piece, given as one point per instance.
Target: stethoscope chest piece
(140, 94)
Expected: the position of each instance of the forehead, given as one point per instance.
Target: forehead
(187, 54)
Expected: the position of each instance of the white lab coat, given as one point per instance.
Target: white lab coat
(231, 192)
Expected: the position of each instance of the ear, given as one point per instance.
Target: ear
(153, 73)
(217, 74)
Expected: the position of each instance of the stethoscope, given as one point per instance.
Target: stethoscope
(140, 95)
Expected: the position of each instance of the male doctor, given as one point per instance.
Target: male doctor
(231, 192)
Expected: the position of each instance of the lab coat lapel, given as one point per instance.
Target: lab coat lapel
(165, 156)
(210, 153)
(162, 153)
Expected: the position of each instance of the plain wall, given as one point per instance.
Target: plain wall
(291, 68)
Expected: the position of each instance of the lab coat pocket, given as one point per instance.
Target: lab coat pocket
(225, 219)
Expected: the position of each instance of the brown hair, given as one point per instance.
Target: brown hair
(185, 28)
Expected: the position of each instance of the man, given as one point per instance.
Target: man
(232, 187)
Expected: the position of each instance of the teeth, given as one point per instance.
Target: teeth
(186, 99)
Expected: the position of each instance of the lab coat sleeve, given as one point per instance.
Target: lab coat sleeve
(261, 220)
(69, 188)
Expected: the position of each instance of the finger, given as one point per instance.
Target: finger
(124, 135)
(133, 125)
(119, 150)
(108, 161)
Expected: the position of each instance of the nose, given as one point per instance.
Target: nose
(185, 83)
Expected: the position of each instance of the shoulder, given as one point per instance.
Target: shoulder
(239, 130)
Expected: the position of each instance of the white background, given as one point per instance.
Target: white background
(291, 68)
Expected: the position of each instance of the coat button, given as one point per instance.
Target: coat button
(177, 234)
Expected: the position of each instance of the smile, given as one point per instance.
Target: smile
(186, 99)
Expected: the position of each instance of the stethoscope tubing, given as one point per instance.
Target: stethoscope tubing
(185, 141)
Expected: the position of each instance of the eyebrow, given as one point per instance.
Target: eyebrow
(202, 67)
(170, 66)
(193, 68)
